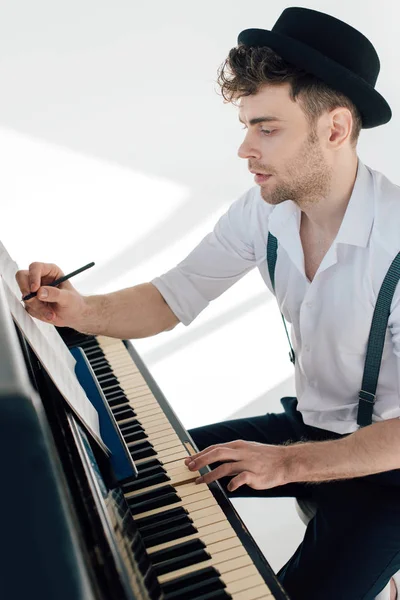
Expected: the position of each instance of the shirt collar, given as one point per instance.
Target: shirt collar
(356, 226)
(355, 229)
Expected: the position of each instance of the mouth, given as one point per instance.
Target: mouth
(260, 178)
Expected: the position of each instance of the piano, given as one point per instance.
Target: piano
(71, 530)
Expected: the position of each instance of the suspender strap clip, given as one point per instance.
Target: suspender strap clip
(365, 408)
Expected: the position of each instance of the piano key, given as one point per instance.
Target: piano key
(153, 520)
(190, 591)
(226, 551)
(181, 531)
(156, 502)
(216, 595)
(191, 558)
(256, 593)
(177, 551)
(174, 589)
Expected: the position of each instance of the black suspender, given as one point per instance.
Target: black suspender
(376, 338)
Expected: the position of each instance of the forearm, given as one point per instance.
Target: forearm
(369, 450)
(135, 312)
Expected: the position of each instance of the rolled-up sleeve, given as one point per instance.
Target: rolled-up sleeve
(222, 258)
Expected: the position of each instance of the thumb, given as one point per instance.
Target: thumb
(53, 294)
(242, 479)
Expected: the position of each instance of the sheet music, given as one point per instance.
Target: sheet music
(8, 269)
(49, 348)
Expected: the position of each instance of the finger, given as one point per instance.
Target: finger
(215, 455)
(22, 278)
(244, 478)
(51, 294)
(225, 470)
(46, 314)
(42, 272)
(206, 450)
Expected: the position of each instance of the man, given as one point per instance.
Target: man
(304, 91)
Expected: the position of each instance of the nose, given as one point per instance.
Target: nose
(248, 150)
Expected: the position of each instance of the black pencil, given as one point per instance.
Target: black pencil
(61, 280)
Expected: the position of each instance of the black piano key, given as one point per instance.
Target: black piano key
(197, 590)
(142, 453)
(89, 343)
(131, 427)
(101, 365)
(142, 450)
(99, 361)
(152, 586)
(115, 395)
(144, 482)
(109, 383)
(93, 353)
(148, 464)
(166, 492)
(176, 551)
(111, 388)
(105, 377)
(154, 519)
(140, 555)
(135, 436)
(217, 595)
(164, 524)
(125, 413)
(117, 400)
(117, 411)
(166, 500)
(185, 581)
(153, 466)
(174, 533)
(180, 562)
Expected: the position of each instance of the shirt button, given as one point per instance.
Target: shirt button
(307, 348)
(309, 304)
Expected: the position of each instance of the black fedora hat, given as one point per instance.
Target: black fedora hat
(329, 48)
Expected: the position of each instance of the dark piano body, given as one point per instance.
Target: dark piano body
(69, 530)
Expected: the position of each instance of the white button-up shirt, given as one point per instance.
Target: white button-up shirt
(331, 316)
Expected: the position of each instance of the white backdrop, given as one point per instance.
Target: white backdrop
(115, 147)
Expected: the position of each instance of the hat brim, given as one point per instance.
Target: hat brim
(373, 107)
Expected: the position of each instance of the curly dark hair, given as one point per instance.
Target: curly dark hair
(246, 69)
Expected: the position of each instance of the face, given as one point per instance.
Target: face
(287, 148)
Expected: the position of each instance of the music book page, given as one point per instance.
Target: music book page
(49, 348)
(8, 268)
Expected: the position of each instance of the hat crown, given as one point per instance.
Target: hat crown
(333, 38)
(333, 51)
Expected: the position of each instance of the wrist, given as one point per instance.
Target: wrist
(296, 463)
(92, 315)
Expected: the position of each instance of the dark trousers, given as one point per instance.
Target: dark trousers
(351, 547)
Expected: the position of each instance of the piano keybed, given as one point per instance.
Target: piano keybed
(194, 549)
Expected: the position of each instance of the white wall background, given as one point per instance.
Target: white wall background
(115, 147)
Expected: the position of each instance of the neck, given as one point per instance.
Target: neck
(326, 215)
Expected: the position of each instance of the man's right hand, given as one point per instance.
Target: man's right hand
(62, 306)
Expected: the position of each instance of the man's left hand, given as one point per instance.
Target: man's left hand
(260, 466)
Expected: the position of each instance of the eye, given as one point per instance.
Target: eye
(267, 131)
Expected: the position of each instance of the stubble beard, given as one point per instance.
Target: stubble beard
(309, 178)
